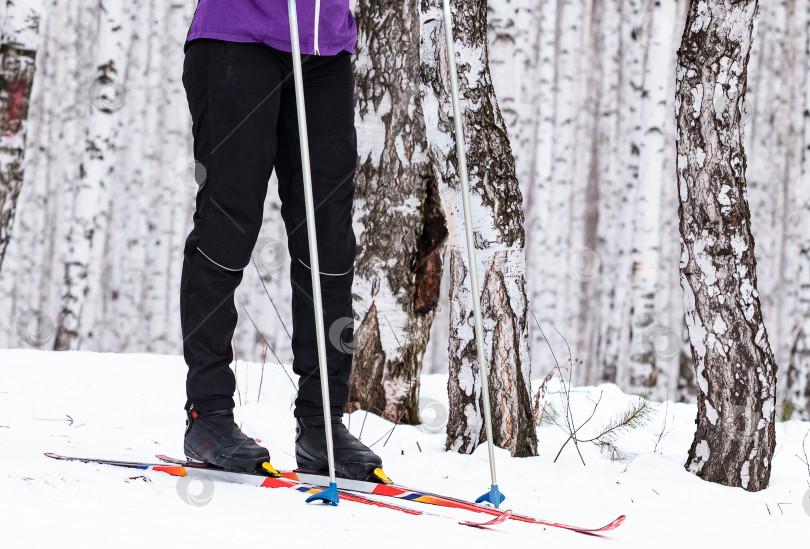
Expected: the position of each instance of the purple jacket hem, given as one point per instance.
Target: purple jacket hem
(327, 25)
(283, 45)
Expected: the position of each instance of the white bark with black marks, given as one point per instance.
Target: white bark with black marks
(735, 368)
(19, 42)
(93, 182)
(499, 236)
(650, 356)
(397, 215)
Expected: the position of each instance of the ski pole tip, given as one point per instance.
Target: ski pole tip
(329, 495)
(493, 497)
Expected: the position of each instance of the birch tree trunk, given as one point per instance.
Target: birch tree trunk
(18, 50)
(797, 378)
(735, 368)
(608, 189)
(646, 360)
(398, 217)
(585, 230)
(681, 388)
(513, 36)
(499, 237)
(85, 242)
(541, 237)
(584, 188)
(614, 341)
(797, 382)
(772, 156)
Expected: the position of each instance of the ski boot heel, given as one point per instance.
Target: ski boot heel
(369, 472)
(307, 463)
(353, 459)
(229, 463)
(213, 438)
(192, 456)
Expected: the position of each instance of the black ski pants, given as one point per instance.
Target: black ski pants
(242, 104)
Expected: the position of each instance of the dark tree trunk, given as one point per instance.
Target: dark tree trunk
(735, 369)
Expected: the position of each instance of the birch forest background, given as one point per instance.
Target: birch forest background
(99, 176)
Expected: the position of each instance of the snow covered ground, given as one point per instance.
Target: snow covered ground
(131, 407)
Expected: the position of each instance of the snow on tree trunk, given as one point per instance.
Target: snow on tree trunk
(19, 41)
(735, 369)
(401, 231)
(85, 246)
(499, 237)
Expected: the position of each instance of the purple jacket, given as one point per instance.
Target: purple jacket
(324, 26)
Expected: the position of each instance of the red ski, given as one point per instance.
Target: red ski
(409, 494)
(182, 469)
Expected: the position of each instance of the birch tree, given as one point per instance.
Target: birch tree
(797, 378)
(735, 368)
(773, 166)
(643, 364)
(397, 214)
(576, 84)
(84, 244)
(614, 339)
(541, 235)
(499, 236)
(797, 382)
(19, 41)
(605, 186)
(514, 33)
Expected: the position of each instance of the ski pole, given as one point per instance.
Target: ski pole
(493, 496)
(330, 495)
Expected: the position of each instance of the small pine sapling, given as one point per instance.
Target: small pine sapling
(636, 415)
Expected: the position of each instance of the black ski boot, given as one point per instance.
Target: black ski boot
(214, 438)
(353, 459)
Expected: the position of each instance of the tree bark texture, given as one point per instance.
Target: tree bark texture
(735, 368)
(398, 219)
(18, 50)
(499, 236)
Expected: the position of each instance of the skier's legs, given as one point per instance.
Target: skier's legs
(233, 91)
(329, 98)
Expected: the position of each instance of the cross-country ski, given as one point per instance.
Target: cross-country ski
(284, 481)
(348, 488)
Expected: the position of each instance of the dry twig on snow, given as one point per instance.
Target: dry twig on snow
(636, 415)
